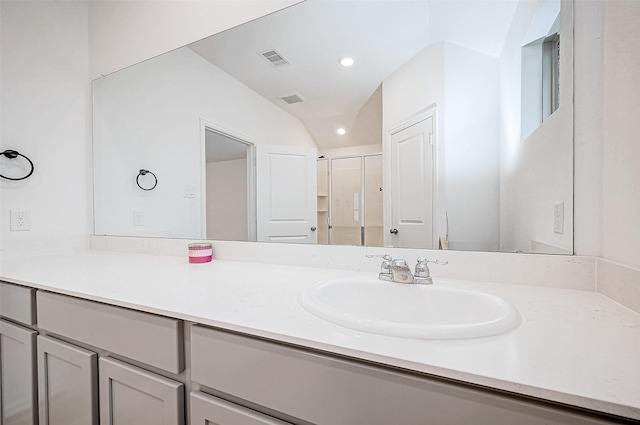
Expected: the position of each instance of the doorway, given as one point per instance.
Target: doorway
(229, 186)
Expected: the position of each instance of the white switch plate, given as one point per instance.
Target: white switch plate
(20, 220)
(138, 217)
(558, 218)
(189, 191)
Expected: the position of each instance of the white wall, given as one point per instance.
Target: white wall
(536, 172)
(149, 116)
(227, 200)
(607, 63)
(463, 84)
(45, 96)
(367, 127)
(350, 150)
(413, 87)
(621, 160)
(588, 126)
(472, 148)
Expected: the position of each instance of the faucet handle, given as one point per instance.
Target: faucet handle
(422, 274)
(385, 257)
(422, 269)
(385, 267)
(424, 260)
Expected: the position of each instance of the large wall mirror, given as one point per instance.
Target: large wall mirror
(439, 124)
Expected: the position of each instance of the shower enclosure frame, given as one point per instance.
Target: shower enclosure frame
(362, 193)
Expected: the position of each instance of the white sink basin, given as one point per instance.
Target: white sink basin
(410, 311)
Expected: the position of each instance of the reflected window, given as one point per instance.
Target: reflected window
(550, 75)
(540, 55)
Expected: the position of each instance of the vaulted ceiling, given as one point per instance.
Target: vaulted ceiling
(379, 35)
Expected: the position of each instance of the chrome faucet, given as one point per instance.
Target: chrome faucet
(398, 271)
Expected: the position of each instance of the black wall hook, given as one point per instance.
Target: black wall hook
(144, 173)
(11, 154)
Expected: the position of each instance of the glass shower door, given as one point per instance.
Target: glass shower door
(373, 225)
(346, 201)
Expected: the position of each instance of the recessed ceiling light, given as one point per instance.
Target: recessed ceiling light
(341, 131)
(346, 61)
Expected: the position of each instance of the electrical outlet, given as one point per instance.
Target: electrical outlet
(558, 218)
(20, 220)
(138, 217)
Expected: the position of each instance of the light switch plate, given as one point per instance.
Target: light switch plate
(138, 217)
(189, 191)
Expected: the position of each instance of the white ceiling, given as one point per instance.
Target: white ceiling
(219, 147)
(379, 35)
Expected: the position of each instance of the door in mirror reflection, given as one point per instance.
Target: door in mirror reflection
(286, 194)
(412, 186)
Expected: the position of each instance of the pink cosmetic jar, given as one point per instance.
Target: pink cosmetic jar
(200, 252)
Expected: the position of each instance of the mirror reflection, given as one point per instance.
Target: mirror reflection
(423, 124)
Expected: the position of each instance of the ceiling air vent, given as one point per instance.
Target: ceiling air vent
(275, 58)
(292, 98)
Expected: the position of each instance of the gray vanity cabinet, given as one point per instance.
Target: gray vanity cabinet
(150, 339)
(18, 377)
(208, 410)
(328, 390)
(67, 383)
(129, 395)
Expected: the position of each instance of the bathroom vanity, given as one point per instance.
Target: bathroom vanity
(103, 337)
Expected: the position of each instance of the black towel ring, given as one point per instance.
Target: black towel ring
(144, 173)
(11, 154)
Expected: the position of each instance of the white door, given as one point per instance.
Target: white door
(286, 194)
(412, 186)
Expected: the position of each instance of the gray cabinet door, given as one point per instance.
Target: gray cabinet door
(208, 410)
(67, 383)
(132, 396)
(18, 387)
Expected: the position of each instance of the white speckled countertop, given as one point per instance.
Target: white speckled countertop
(574, 347)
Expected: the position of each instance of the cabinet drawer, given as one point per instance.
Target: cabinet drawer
(206, 410)
(18, 303)
(325, 390)
(147, 338)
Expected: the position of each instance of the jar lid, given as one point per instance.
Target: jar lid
(197, 246)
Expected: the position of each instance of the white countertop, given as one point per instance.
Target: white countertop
(574, 347)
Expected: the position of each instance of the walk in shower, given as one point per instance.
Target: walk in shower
(350, 200)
